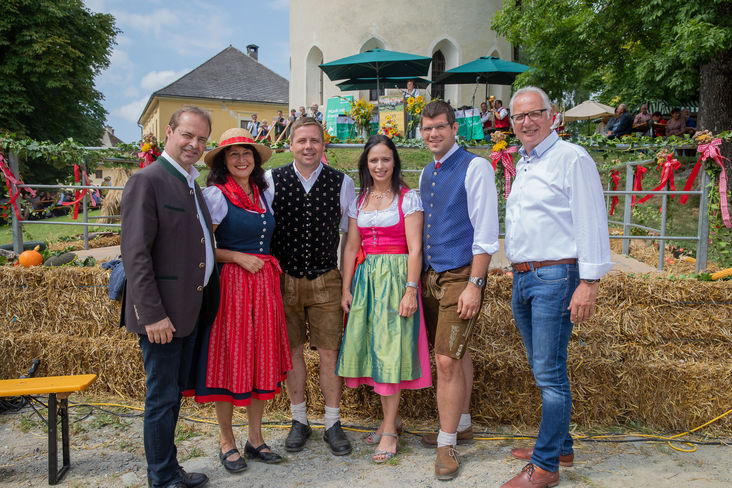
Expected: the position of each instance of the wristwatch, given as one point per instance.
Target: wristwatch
(590, 281)
(477, 281)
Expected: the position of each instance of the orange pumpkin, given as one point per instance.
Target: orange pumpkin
(30, 258)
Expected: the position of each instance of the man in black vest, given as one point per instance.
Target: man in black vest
(310, 203)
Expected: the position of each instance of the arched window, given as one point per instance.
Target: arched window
(438, 67)
(314, 77)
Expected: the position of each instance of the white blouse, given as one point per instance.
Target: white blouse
(216, 203)
(387, 217)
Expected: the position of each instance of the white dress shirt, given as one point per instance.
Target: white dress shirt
(347, 194)
(556, 209)
(191, 179)
(480, 186)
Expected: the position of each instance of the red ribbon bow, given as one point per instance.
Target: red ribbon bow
(148, 157)
(507, 161)
(667, 176)
(12, 182)
(615, 175)
(638, 183)
(711, 151)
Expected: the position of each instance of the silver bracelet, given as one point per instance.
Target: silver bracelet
(412, 284)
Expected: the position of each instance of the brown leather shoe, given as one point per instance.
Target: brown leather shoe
(566, 460)
(463, 437)
(533, 476)
(447, 464)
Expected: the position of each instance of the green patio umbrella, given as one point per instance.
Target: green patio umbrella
(387, 82)
(377, 64)
(485, 69)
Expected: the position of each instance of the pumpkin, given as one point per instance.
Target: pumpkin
(30, 258)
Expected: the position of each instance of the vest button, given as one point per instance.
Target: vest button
(203, 240)
(429, 225)
(199, 288)
(430, 215)
(428, 246)
(434, 173)
(433, 183)
(432, 194)
(191, 192)
(201, 265)
(429, 256)
(428, 236)
(198, 217)
(432, 205)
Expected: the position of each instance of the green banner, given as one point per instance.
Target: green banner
(337, 106)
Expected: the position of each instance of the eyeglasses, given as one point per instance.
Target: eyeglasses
(438, 127)
(533, 115)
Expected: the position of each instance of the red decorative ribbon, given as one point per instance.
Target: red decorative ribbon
(615, 175)
(10, 182)
(507, 161)
(667, 176)
(711, 150)
(638, 183)
(148, 157)
(236, 140)
(78, 194)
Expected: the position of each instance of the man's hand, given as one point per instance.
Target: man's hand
(582, 305)
(469, 302)
(160, 332)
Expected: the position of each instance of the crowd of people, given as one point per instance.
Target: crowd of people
(226, 286)
(622, 123)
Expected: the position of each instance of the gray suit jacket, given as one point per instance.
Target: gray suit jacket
(164, 253)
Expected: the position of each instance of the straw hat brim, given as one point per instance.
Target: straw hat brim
(237, 137)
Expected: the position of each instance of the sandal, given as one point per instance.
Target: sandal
(373, 438)
(377, 457)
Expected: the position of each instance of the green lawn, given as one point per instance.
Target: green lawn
(49, 232)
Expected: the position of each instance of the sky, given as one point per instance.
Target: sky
(160, 41)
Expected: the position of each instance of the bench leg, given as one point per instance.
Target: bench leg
(55, 410)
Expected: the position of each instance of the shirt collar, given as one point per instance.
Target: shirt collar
(449, 153)
(542, 147)
(189, 176)
(314, 175)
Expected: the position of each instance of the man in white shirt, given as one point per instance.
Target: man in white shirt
(254, 126)
(460, 234)
(557, 240)
(310, 202)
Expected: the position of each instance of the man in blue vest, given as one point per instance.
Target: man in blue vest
(460, 234)
(310, 204)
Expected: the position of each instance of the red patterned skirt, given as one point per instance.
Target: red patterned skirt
(245, 354)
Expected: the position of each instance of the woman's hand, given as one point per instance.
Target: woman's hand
(346, 299)
(249, 262)
(408, 305)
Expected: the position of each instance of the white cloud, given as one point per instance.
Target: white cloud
(121, 70)
(158, 79)
(155, 22)
(132, 110)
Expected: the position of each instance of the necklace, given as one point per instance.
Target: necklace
(380, 195)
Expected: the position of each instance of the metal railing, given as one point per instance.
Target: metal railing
(701, 238)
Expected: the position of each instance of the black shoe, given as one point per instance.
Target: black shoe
(337, 440)
(188, 480)
(232, 466)
(257, 453)
(299, 433)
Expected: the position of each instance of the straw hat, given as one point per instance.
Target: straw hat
(234, 137)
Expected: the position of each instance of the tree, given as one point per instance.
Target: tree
(633, 51)
(50, 52)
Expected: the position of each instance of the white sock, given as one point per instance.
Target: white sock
(445, 439)
(299, 412)
(332, 415)
(465, 422)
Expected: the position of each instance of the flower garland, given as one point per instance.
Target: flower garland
(502, 152)
(149, 150)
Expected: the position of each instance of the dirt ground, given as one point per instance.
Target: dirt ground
(106, 450)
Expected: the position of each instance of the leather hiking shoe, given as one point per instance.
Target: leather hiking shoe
(566, 460)
(337, 440)
(299, 433)
(463, 437)
(447, 464)
(533, 476)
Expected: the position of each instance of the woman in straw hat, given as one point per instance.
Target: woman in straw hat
(245, 356)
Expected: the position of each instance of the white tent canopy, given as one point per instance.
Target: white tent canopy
(588, 110)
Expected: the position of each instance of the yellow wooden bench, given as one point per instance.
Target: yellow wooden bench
(58, 389)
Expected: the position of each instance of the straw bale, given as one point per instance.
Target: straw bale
(656, 352)
(113, 198)
(78, 245)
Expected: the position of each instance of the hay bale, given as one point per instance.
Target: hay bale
(113, 198)
(657, 352)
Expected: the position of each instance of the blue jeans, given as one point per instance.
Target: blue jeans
(539, 303)
(167, 367)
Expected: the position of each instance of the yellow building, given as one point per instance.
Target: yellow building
(230, 86)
